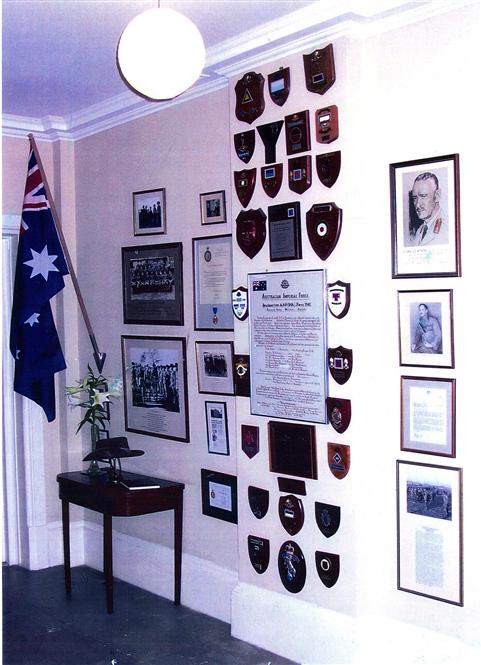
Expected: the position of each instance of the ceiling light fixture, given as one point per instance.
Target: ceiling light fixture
(161, 53)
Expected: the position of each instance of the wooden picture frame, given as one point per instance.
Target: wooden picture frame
(428, 415)
(149, 212)
(425, 217)
(429, 531)
(152, 284)
(155, 386)
(212, 208)
(215, 370)
(219, 495)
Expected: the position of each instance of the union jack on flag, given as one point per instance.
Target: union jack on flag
(39, 274)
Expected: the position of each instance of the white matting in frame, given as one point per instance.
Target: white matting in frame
(429, 521)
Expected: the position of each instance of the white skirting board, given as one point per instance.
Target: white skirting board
(206, 587)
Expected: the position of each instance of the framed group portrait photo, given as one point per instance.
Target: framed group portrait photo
(215, 367)
(425, 217)
(425, 321)
(149, 212)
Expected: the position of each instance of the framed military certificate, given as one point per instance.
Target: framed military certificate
(212, 260)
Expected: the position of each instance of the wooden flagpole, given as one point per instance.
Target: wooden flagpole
(99, 357)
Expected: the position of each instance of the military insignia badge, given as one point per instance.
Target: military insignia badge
(240, 303)
(249, 91)
(251, 231)
(340, 363)
(271, 178)
(339, 459)
(242, 375)
(269, 134)
(258, 501)
(292, 566)
(327, 568)
(291, 513)
(279, 84)
(328, 518)
(319, 69)
(339, 413)
(250, 440)
(244, 144)
(245, 182)
(299, 169)
(328, 167)
(339, 298)
(327, 124)
(259, 553)
(298, 136)
(324, 222)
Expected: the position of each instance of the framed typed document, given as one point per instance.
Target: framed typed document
(212, 259)
(219, 495)
(288, 345)
(429, 520)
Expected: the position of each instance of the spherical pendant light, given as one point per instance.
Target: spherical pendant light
(161, 53)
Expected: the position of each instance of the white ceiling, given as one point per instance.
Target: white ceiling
(59, 56)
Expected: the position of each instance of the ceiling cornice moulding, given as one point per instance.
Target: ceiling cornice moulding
(301, 30)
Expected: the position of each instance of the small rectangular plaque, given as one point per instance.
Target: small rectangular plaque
(285, 231)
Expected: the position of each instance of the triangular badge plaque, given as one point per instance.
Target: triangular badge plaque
(251, 231)
(258, 501)
(339, 459)
(328, 167)
(259, 553)
(339, 413)
(340, 364)
(244, 144)
(319, 69)
(328, 568)
(339, 298)
(271, 178)
(245, 182)
(328, 518)
(249, 92)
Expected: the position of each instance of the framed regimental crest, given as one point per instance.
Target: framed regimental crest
(152, 284)
(217, 431)
(425, 220)
(429, 531)
(426, 328)
(215, 372)
(155, 386)
(212, 261)
(149, 212)
(428, 415)
(219, 495)
(212, 208)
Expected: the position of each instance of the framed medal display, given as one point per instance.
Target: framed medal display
(212, 261)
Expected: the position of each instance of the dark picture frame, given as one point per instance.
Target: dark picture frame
(425, 320)
(292, 449)
(149, 210)
(155, 386)
(219, 495)
(285, 243)
(212, 208)
(217, 428)
(425, 217)
(215, 367)
(430, 531)
(152, 284)
(213, 282)
(428, 415)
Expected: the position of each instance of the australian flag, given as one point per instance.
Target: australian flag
(40, 269)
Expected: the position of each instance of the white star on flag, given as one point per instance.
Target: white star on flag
(32, 319)
(42, 264)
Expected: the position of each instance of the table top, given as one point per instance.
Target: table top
(103, 480)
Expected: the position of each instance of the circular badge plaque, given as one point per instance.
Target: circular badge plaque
(292, 566)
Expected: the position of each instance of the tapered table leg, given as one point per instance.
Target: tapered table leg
(66, 545)
(178, 510)
(108, 567)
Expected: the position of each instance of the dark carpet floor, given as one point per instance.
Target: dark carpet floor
(41, 626)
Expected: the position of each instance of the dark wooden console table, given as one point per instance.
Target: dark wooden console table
(96, 493)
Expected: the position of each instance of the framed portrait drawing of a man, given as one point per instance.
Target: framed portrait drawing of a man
(425, 219)
(212, 208)
(149, 212)
(152, 284)
(215, 371)
(429, 531)
(428, 415)
(155, 386)
(426, 328)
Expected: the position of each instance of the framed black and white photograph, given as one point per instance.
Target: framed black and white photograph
(292, 449)
(426, 328)
(215, 370)
(219, 495)
(155, 386)
(217, 429)
(425, 219)
(212, 261)
(429, 531)
(149, 212)
(212, 208)
(428, 415)
(152, 284)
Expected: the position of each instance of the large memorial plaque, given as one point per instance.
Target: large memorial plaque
(288, 345)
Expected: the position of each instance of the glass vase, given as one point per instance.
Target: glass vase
(94, 469)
